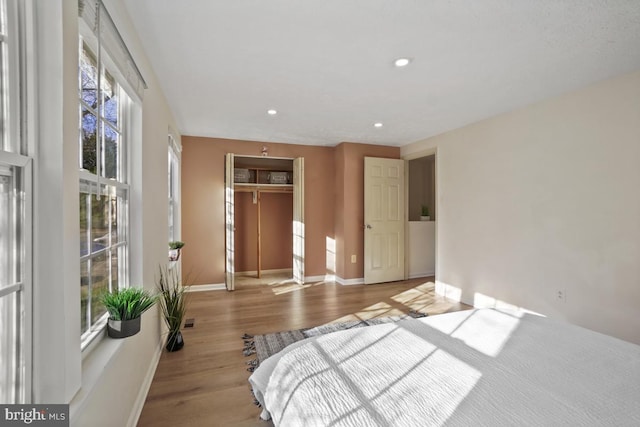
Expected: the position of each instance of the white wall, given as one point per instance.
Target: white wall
(547, 198)
(106, 386)
(421, 248)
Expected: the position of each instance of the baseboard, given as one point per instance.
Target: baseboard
(449, 292)
(146, 385)
(274, 271)
(202, 288)
(325, 278)
(419, 275)
(307, 279)
(349, 282)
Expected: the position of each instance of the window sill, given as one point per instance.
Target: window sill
(95, 338)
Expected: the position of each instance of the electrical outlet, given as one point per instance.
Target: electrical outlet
(353, 259)
(561, 295)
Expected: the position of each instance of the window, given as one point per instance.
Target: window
(13, 285)
(174, 191)
(15, 223)
(104, 189)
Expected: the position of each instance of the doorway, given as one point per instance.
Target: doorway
(261, 176)
(263, 235)
(422, 214)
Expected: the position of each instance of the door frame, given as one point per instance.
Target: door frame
(412, 156)
(298, 240)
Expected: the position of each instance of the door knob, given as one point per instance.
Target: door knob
(369, 227)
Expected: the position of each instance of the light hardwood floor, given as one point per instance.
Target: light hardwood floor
(205, 383)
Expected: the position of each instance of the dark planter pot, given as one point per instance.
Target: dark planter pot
(123, 328)
(175, 341)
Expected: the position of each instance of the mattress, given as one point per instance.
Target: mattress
(477, 367)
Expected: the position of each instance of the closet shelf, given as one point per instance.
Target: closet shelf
(262, 187)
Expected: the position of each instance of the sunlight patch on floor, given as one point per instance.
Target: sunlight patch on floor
(380, 309)
(279, 283)
(279, 288)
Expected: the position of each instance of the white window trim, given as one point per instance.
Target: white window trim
(12, 104)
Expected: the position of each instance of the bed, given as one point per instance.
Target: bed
(477, 367)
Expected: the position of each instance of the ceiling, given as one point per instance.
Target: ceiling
(327, 66)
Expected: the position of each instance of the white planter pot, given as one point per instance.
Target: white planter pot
(174, 254)
(425, 218)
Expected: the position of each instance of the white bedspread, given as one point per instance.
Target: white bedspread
(477, 367)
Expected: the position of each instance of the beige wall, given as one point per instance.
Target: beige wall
(349, 214)
(544, 199)
(203, 202)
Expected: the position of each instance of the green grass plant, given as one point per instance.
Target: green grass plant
(128, 303)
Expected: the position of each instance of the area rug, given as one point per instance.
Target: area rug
(266, 345)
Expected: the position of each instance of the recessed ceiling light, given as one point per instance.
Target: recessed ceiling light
(272, 112)
(378, 125)
(402, 62)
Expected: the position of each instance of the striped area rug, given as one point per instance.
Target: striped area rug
(266, 345)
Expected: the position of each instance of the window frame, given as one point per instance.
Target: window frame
(15, 154)
(22, 286)
(98, 184)
(174, 232)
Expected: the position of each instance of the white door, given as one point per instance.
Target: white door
(298, 220)
(229, 223)
(384, 220)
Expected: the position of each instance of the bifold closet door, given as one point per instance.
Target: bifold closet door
(229, 222)
(298, 220)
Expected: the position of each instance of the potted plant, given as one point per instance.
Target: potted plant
(174, 250)
(125, 306)
(173, 305)
(425, 213)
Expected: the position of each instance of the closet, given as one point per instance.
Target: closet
(264, 216)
